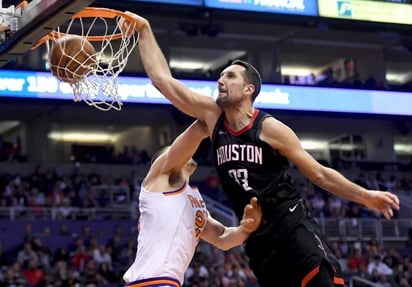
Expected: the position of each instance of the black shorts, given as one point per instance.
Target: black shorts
(291, 252)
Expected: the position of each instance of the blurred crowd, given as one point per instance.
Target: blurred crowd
(46, 188)
(63, 192)
(90, 260)
(325, 204)
(345, 74)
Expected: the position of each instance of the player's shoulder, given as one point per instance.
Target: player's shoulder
(270, 120)
(272, 127)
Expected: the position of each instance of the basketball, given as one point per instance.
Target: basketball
(72, 58)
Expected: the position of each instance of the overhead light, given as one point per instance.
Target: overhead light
(84, 137)
(188, 65)
(392, 77)
(403, 148)
(345, 146)
(314, 144)
(296, 70)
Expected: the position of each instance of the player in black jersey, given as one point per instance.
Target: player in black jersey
(251, 153)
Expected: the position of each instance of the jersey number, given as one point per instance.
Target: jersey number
(241, 177)
(200, 222)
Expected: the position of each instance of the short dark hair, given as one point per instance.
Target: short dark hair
(252, 76)
(161, 151)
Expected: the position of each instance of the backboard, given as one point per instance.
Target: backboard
(23, 25)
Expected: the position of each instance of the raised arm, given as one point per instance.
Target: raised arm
(157, 68)
(283, 139)
(179, 152)
(224, 237)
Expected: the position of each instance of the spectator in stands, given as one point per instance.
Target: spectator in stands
(398, 274)
(361, 180)
(237, 277)
(60, 269)
(107, 273)
(404, 283)
(102, 255)
(213, 189)
(125, 256)
(379, 265)
(73, 279)
(374, 276)
(351, 74)
(94, 178)
(336, 207)
(34, 275)
(392, 258)
(196, 273)
(87, 235)
(384, 281)
(75, 244)
(13, 278)
(80, 258)
(89, 200)
(36, 198)
(327, 79)
(381, 182)
(91, 275)
(63, 210)
(61, 254)
(354, 210)
(392, 183)
(362, 272)
(64, 230)
(144, 157)
(318, 205)
(371, 83)
(4, 260)
(25, 255)
(375, 247)
(219, 277)
(356, 259)
(43, 254)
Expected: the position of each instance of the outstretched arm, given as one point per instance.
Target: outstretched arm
(157, 68)
(180, 151)
(228, 237)
(287, 143)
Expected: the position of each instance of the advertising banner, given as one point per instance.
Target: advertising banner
(295, 7)
(364, 10)
(179, 2)
(42, 85)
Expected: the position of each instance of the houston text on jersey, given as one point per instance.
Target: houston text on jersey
(239, 152)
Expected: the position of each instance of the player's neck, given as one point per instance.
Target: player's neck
(240, 117)
(179, 178)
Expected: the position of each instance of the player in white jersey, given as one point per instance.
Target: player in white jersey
(173, 217)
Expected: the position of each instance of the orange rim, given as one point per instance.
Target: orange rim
(22, 4)
(90, 12)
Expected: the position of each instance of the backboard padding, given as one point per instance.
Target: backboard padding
(39, 18)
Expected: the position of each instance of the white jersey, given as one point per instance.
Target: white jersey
(170, 226)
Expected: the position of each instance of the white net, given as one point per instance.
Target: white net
(98, 87)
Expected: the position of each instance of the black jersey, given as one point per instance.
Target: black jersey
(249, 167)
(288, 247)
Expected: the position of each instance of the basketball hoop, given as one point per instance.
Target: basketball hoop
(100, 26)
